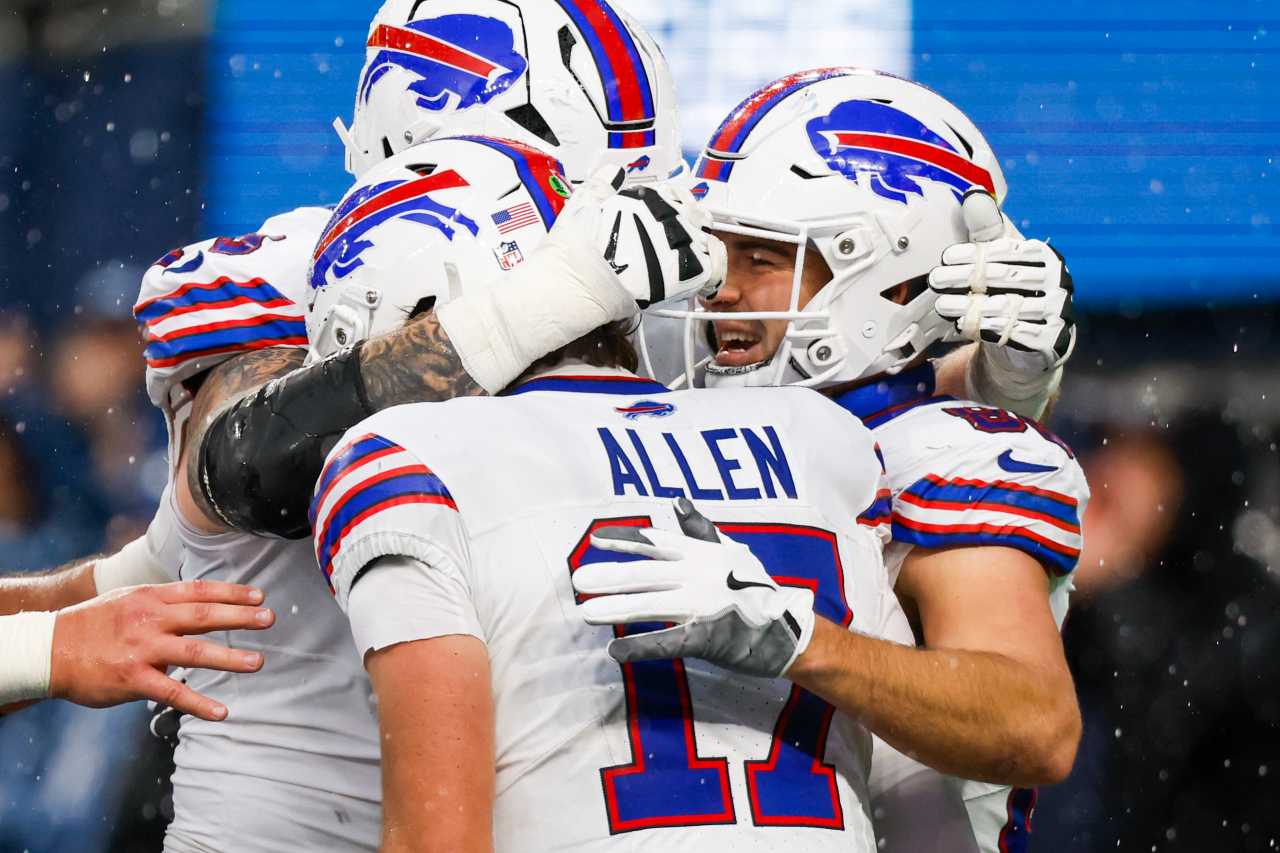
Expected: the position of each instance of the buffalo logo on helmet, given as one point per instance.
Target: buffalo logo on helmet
(646, 408)
(700, 190)
(891, 151)
(343, 240)
(462, 60)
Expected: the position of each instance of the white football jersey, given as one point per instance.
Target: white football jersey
(296, 765)
(207, 302)
(964, 474)
(499, 497)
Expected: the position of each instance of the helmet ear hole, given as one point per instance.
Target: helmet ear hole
(528, 117)
(906, 292)
(423, 306)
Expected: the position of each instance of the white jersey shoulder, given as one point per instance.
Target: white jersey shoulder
(966, 474)
(498, 497)
(204, 303)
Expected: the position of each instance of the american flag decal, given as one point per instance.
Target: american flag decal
(515, 218)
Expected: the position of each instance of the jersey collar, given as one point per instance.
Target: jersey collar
(580, 378)
(879, 402)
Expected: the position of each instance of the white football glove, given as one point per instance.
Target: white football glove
(655, 238)
(727, 609)
(1007, 292)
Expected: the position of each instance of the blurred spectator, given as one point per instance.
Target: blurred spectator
(1173, 639)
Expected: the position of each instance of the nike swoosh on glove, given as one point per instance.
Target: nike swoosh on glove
(726, 607)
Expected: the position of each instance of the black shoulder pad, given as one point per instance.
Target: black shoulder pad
(261, 458)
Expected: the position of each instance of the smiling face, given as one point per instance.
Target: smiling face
(761, 273)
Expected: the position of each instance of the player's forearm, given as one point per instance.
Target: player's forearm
(48, 591)
(262, 445)
(967, 373)
(937, 705)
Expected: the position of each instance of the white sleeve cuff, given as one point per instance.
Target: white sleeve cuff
(401, 600)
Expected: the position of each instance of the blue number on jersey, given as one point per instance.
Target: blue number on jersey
(667, 783)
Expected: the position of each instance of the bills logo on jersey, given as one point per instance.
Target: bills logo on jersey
(646, 408)
(700, 190)
(509, 255)
(462, 60)
(344, 239)
(891, 152)
(639, 165)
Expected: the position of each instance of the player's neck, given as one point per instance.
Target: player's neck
(570, 366)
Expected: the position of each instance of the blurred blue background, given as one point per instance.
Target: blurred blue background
(1142, 138)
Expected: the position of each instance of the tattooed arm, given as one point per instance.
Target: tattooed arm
(262, 424)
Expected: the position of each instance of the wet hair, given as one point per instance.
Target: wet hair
(607, 346)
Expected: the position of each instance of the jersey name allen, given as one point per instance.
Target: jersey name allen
(729, 464)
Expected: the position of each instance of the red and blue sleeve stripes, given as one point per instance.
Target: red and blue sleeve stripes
(277, 322)
(392, 486)
(733, 132)
(1015, 836)
(880, 512)
(937, 513)
(627, 91)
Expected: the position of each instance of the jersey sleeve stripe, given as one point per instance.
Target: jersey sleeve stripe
(989, 506)
(264, 343)
(1057, 556)
(399, 486)
(1062, 507)
(243, 323)
(359, 453)
(270, 333)
(203, 293)
(225, 305)
(880, 512)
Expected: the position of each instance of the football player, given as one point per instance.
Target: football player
(298, 765)
(450, 533)
(836, 191)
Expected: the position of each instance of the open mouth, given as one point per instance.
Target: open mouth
(738, 343)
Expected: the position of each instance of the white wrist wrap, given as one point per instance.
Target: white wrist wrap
(995, 378)
(26, 644)
(559, 294)
(133, 566)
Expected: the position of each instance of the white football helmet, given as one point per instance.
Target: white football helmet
(867, 169)
(417, 226)
(577, 78)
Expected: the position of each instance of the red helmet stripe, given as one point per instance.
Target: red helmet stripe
(440, 181)
(918, 150)
(397, 38)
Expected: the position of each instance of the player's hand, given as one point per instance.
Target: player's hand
(116, 648)
(655, 238)
(726, 608)
(1012, 294)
